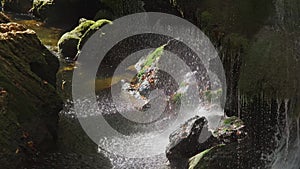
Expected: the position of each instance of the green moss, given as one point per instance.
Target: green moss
(83, 27)
(176, 97)
(213, 95)
(68, 43)
(150, 59)
(98, 24)
(78, 32)
(67, 36)
(194, 162)
(228, 126)
(39, 7)
(230, 120)
(91, 30)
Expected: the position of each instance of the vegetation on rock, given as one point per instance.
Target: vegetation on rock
(71, 42)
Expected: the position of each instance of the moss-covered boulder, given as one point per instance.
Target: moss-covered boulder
(91, 30)
(19, 6)
(72, 41)
(67, 44)
(28, 98)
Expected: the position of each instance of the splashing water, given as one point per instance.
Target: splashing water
(147, 142)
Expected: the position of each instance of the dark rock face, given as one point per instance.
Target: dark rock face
(19, 6)
(65, 11)
(184, 142)
(29, 102)
(194, 137)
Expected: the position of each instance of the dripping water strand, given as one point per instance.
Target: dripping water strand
(287, 128)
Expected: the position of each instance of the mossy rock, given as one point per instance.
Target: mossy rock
(91, 30)
(67, 44)
(41, 8)
(71, 42)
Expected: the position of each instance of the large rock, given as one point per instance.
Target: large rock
(19, 6)
(184, 142)
(194, 137)
(28, 98)
(71, 42)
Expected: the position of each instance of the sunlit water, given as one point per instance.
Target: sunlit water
(48, 35)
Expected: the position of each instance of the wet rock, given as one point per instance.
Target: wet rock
(29, 102)
(19, 6)
(194, 137)
(226, 156)
(184, 142)
(70, 43)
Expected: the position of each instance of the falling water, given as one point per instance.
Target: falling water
(124, 151)
(287, 126)
(287, 154)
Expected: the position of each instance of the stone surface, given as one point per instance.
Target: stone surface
(29, 102)
(193, 138)
(71, 42)
(64, 12)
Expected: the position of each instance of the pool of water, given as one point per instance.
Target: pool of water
(48, 35)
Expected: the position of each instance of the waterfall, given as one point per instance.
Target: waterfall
(298, 131)
(279, 7)
(287, 126)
